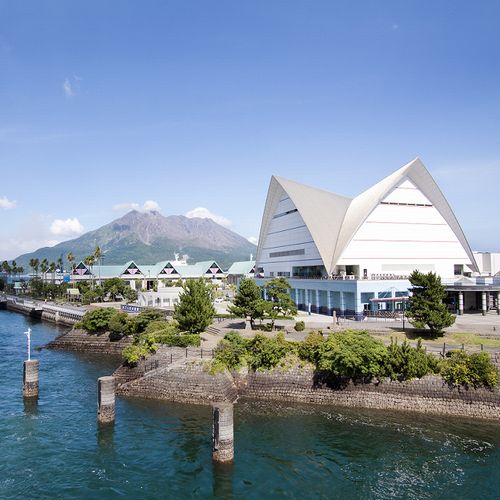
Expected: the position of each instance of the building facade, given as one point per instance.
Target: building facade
(353, 256)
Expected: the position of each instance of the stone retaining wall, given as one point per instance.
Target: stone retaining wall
(184, 383)
(80, 340)
(190, 383)
(427, 395)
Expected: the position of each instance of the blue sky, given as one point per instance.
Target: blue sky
(188, 104)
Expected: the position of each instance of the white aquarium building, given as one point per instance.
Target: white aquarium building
(354, 255)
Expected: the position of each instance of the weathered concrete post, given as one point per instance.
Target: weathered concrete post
(106, 399)
(30, 378)
(498, 302)
(460, 303)
(483, 303)
(222, 432)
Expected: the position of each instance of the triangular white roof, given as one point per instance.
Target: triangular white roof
(333, 220)
(322, 212)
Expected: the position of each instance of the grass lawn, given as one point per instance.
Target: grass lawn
(458, 338)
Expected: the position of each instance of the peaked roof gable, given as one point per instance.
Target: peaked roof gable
(363, 205)
(322, 212)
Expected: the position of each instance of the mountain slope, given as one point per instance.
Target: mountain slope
(150, 237)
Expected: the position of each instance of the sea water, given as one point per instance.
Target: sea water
(54, 448)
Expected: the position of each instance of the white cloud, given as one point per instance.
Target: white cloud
(150, 206)
(147, 206)
(68, 88)
(120, 207)
(6, 204)
(204, 213)
(68, 227)
(253, 239)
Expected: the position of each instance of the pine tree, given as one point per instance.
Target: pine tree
(248, 301)
(426, 303)
(281, 302)
(195, 311)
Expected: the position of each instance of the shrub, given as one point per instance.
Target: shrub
(166, 337)
(97, 321)
(158, 325)
(299, 326)
(312, 347)
(265, 353)
(473, 370)
(142, 320)
(231, 351)
(405, 362)
(353, 354)
(120, 323)
(134, 353)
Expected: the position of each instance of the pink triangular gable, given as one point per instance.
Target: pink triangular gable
(81, 272)
(132, 270)
(168, 270)
(214, 270)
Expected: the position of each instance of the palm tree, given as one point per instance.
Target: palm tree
(98, 257)
(13, 266)
(44, 267)
(89, 261)
(60, 264)
(36, 263)
(52, 269)
(71, 258)
(6, 267)
(32, 265)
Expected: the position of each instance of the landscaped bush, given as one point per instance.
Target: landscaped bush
(299, 326)
(473, 370)
(312, 347)
(166, 337)
(97, 321)
(231, 352)
(405, 362)
(120, 323)
(162, 324)
(353, 354)
(144, 318)
(134, 353)
(265, 353)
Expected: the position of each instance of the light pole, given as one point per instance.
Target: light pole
(28, 334)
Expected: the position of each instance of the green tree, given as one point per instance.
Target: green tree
(195, 311)
(70, 258)
(426, 306)
(353, 354)
(44, 267)
(281, 304)
(248, 302)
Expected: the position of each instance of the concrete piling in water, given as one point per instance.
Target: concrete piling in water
(106, 399)
(30, 378)
(222, 432)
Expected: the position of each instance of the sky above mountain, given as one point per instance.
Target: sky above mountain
(189, 108)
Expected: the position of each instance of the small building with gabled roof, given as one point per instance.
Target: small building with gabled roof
(238, 270)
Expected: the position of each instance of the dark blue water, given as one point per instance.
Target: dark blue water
(54, 449)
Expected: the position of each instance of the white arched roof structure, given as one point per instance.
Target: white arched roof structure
(334, 220)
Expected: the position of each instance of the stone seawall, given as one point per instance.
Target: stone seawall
(183, 383)
(191, 383)
(80, 340)
(427, 395)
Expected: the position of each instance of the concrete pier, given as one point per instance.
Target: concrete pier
(106, 399)
(30, 378)
(222, 432)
